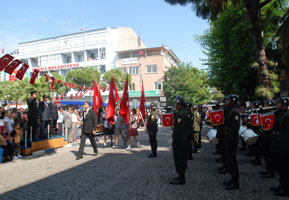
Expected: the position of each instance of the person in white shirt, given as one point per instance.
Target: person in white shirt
(132, 131)
(74, 120)
(59, 123)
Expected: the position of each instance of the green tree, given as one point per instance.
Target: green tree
(59, 88)
(231, 54)
(187, 81)
(84, 76)
(209, 9)
(119, 78)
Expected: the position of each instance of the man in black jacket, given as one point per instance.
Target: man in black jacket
(33, 114)
(54, 115)
(88, 129)
(45, 116)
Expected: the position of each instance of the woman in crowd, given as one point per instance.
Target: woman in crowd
(4, 143)
(17, 134)
(108, 129)
(133, 129)
(8, 124)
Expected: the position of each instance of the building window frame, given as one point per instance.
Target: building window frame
(152, 69)
(159, 85)
(133, 70)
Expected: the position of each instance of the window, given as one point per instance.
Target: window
(158, 86)
(102, 69)
(133, 70)
(132, 86)
(152, 69)
(102, 53)
(123, 69)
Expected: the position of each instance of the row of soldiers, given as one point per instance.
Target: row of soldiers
(272, 144)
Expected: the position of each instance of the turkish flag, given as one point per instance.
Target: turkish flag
(34, 76)
(12, 66)
(59, 81)
(267, 121)
(124, 104)
(21, 72)
(12, 77)
(76, 95)
(56, 97)
(52, 84)
(142, 104)
(168, 119)
(47, 77)
(255, 119)
(97, 99)
(71, 96)
(4, 61)
(217, 117)
(65, 84)
(61, 97)
(113, 97)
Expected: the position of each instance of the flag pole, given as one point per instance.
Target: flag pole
(143, 121)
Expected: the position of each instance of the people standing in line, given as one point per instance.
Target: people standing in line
(67, 122)
(33, 114)
(280, 147)
(59, 123)
(54, 116)
(45, 116)
(88, 129)
(180, 141)
(152, 129)
(196, 127)
(132, 131)
(231, 140)
(189, 130)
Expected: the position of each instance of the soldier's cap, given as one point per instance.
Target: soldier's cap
(284, 100)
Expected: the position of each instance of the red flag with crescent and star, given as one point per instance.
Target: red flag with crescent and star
(113, 97)
(255, 119)
(34, 76)
(216, 117)
(168, 119)
(12, 66)
(124, 104)
(4, 61)
(22, 71)
(267, 121)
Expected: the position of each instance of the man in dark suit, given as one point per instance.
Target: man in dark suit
(54, 115)
(33, 114)
(88, 129)
(45, 116)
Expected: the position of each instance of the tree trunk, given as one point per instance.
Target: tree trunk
(254, 12)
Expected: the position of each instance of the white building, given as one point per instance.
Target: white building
(95, 48)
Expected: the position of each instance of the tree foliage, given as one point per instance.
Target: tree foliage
(119, 78)
(84, 76)
(187, 81)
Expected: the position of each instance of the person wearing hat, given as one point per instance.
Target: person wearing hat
(152, 129)
(33, 114)
(280, 147)
(231, 140)
(190, 130)
(180, 141)
(45, 116)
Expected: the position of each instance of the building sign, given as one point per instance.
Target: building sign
(149, 93)
(127, 61)
(57, 67)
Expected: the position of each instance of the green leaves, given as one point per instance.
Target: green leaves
(119, 78)
(84, 76)
(187, 81)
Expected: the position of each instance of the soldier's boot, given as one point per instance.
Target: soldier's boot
(227, 182)
(275, 188)
(281, 192)
(189, 157)
(180, 180)
(195, 150)
(223, 171)
(234, 185)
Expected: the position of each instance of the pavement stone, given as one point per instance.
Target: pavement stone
(122, 174)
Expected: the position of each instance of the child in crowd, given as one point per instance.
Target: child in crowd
(4, 143)
(133, 129)
(17, 134)
(108, 129)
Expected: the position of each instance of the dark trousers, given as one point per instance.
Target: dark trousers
(189, 144)
(43, 127)
(32, 122)
(266, 151)
(53, 126)
(258, 149)
(200, 139)
(196, 139)
(282, 167)
(231, 146)
(153, 141)
(180, 160)
(83, 140)
(221, 149)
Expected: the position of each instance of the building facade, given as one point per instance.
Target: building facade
(95, 48)
(148, 65)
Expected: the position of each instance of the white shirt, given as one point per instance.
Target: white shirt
(74, 118)
(10, 124)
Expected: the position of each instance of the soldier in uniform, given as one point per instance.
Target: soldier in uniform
(256, 148)
(230, 141)
(152, 128)
(189, 131)
(266, 138)
(180, 141)
(197, 129)
(280, 147)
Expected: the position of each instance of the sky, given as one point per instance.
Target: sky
(157, 22)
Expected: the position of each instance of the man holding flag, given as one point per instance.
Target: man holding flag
(152, 129)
